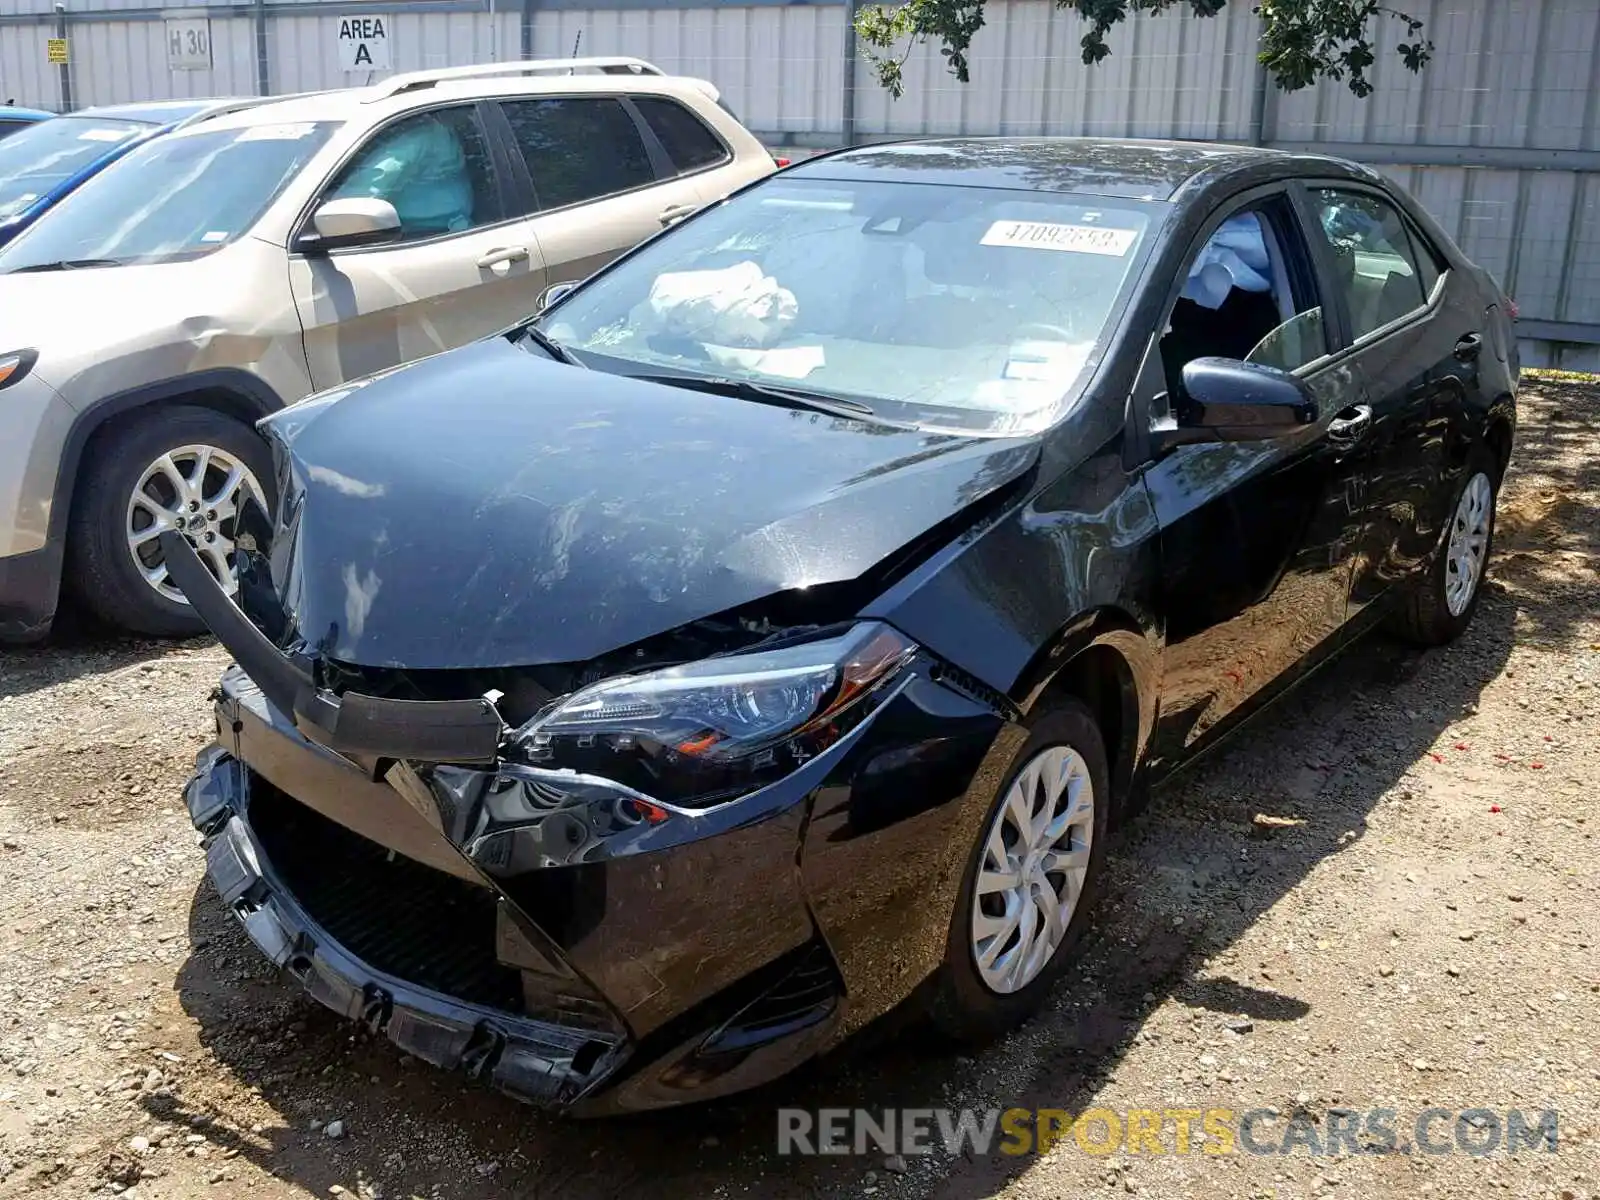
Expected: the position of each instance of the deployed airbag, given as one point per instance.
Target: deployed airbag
(1235, 256)
(735, 306)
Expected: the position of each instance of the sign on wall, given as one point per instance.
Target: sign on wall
(188, 44)
(55, 51)
(364, 43)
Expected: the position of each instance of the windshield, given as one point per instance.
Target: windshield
(179, 196)
(43, 156)
(970, 309)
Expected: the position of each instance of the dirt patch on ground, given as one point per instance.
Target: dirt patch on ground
(1421, 934)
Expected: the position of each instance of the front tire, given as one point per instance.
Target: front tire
(184, 468)
(1030, 880)
(1441, 602)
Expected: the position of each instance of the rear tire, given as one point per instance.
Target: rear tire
(986, 985)
(1441, 602)
(185, 465)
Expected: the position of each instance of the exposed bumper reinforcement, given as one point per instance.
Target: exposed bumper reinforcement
(540, 1062)
(431, 730)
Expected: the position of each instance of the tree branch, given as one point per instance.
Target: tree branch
(1302, 41)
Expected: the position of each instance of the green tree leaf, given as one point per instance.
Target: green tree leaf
(1302, 41)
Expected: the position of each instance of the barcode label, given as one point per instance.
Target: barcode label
(1074, 239)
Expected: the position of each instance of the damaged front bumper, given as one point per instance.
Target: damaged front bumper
(677, 965)
(538, 1061)
(571, 943)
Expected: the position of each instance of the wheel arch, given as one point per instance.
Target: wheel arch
(1107, 660)
(233, 392)
(1499, 432)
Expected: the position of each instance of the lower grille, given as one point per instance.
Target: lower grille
(396, 915)
(805, 994)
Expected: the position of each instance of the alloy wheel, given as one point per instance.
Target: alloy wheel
(1034, 864)
(1468, 546)
(197, 491)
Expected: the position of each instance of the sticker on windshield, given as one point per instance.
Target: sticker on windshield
(1075, 239)
(215, 235)
(275, 133)
(104, 135)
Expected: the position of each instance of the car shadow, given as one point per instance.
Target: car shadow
(1324, 758)
(1547, 535)
(79, 646)
(1175, 896)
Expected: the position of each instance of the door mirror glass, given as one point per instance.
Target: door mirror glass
(554, 293)
(1225, 400)
(356, 221)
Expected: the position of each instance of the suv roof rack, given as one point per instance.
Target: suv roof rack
(416, 80)
(244, 103)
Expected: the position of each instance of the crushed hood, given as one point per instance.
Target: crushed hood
(490, 507)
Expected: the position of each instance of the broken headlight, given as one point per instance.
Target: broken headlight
(709, 731)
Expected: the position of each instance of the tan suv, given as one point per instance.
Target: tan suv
(221, 272)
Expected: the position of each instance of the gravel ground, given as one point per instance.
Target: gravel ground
(1425, 935)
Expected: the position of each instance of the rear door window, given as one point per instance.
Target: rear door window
(578, 149)
(1373, 258)
(1426, 258)
(685, 137)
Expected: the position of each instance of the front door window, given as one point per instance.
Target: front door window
(434, 167)
(1239, 301)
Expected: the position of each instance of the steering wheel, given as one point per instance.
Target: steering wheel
(1059, 332)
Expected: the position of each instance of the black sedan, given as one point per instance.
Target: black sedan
(630, 706)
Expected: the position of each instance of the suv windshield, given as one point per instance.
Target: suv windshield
(177, 197)
(970, 309)
(48, 154)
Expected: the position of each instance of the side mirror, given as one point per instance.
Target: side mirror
(1225, 400)
(553, 293)
(355, 221)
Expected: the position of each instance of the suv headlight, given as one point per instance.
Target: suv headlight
(708, 731)
(15, 366)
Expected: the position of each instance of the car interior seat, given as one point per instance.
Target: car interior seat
(1401, 293)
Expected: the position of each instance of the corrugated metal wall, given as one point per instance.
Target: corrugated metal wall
(1499, 137)
(1168, 76)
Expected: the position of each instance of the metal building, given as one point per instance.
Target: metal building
(1499, 137)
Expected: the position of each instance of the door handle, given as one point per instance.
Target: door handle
(676, 212)
(502, 254)
(1469, 347)
(1350, 424)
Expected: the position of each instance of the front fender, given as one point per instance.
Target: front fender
(1008, 599)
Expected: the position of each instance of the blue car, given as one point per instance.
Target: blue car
(15, 120)
(48, 157)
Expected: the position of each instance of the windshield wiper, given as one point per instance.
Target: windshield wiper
(550, 346)
(746, 389)
(67, 264)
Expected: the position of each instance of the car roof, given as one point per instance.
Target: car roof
(14, 112)
(376, 101)
(162, 112)
(1136, 168)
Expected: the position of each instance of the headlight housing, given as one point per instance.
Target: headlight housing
(14, 367)
(709, 731)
